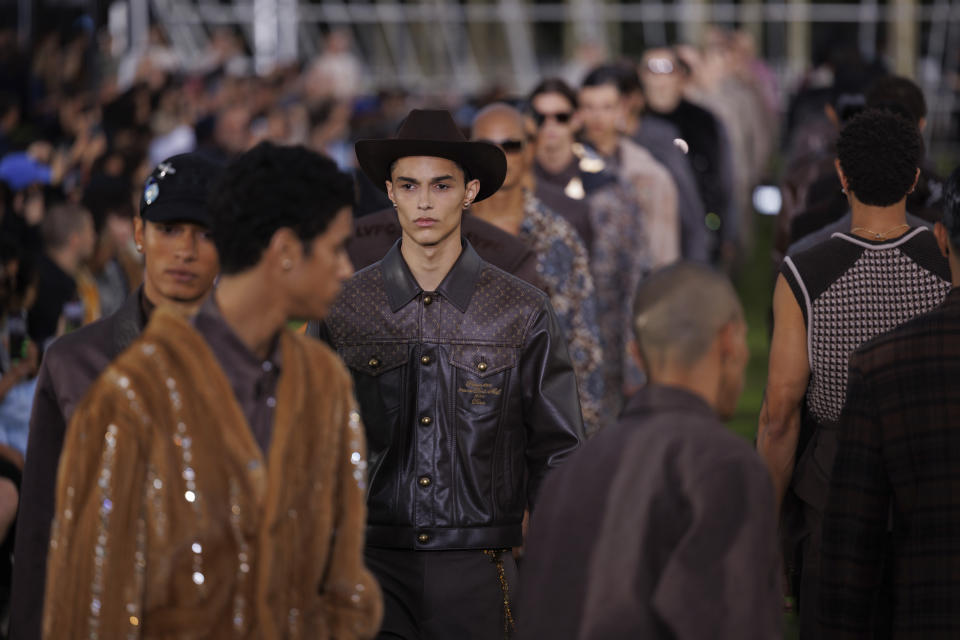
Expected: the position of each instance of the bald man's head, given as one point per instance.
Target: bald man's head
(496, 113)
(690, 330)
(503, 125)
(679, 310)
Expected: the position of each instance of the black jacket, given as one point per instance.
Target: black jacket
(69, 367)
(468, 398)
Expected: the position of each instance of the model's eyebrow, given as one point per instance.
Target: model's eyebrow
(432, 180)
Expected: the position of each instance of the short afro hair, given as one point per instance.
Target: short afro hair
(951, 207)
(879, 152)
(272, 187)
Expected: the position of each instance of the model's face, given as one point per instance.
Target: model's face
(86, 238)
(601, 109)
(507, 133)
(555, 119)
(181, 260)
(315, 282)
(430, 196)
(662, 80)
(733, 370)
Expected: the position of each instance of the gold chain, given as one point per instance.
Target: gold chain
(496, 557)
(880, 236)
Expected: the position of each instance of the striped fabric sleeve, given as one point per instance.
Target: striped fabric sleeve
(856, 517)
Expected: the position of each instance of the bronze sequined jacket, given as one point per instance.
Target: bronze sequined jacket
(171, 524)
(468, 397)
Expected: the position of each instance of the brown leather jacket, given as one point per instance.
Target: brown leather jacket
(468, 397)
(171, 524)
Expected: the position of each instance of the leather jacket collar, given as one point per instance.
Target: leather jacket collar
(457, 287)
(128, 321)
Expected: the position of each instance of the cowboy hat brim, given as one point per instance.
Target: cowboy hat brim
(483, 161)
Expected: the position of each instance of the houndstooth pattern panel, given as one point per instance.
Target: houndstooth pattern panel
(883, 289)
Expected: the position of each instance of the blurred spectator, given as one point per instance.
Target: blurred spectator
(562, 261)
(231, 133)
(114, 264)
(336, 74)
(659, 137)
(68, 240)
(721, 84)
(620, 255)
(603, 110)
(819, 113)
(665, 78)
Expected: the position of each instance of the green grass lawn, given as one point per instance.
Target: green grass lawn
(755, 286)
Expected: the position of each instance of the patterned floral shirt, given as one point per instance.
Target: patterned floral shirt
(564, 266)
(620, 258)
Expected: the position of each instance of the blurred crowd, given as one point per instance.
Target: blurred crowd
(645, 162)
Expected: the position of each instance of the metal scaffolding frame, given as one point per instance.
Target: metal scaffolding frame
(464, 45)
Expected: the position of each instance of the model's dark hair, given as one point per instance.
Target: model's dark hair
(272, 187)
(554, 85)
(951, 207)
(879, 152)
(605, 74)
(898, 94)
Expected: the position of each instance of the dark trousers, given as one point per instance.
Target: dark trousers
(808, 598)
(444, 595)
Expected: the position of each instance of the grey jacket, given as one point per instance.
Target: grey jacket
(70, 365)
(662, 526)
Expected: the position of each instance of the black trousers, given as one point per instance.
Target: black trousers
(445, 595)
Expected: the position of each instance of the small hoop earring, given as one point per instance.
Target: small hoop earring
(394, 205)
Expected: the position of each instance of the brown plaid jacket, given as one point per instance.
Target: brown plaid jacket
(891, 532)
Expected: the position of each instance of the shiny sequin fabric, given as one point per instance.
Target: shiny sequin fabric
(564, 266)
(170, 523)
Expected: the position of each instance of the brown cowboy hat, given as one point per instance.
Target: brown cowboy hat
(432, 132)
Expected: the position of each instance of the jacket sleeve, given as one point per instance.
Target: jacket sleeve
(350, 597)
(96, 565)
(37, 493)
(721, 579)
(551, 408)
(856, 517)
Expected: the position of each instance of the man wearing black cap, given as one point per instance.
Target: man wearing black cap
(212, 483)
(465, 387)
(172, 232)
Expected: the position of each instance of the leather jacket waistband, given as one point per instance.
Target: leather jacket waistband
(446, 538)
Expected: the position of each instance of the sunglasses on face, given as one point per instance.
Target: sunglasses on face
(508, 146)
(661, 66)
(562, 117)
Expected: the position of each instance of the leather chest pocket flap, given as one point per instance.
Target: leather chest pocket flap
(482, 361)
(374, 359)
(480, 381)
